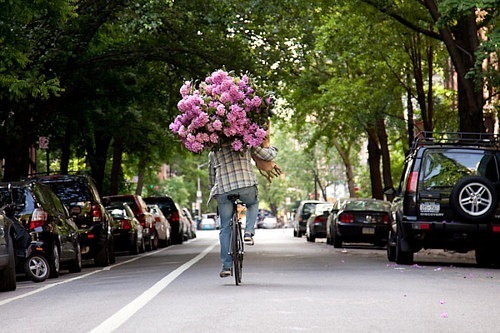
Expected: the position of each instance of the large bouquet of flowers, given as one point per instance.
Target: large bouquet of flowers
(223, 109)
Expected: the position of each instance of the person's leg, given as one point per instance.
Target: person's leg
(250, 198)
(225, 208)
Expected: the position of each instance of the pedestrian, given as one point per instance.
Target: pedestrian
(231, 172)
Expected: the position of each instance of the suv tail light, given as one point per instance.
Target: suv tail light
(346, 218)
(175, 217)
(126, 225)
(411, 186)
(96, 213)
(38, 218)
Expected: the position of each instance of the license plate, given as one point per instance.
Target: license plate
(368, 231)
(430, 207)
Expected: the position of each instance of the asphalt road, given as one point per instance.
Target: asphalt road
(289, 285)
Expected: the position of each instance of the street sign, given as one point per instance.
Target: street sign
(43, 142)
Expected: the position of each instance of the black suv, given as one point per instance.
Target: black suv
(50, 227)
(448, 198)
(80, 195)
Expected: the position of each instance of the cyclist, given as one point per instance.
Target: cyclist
(231, 172)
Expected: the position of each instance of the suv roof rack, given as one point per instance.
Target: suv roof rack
(427, 138)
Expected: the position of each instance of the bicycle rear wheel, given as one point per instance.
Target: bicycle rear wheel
(237, 250)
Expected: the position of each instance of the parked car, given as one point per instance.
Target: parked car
(192, 223)
(316, 223)
(79, 193)
(162, 226)
(356, 220)
(213, 216)
(142, 213)
(302, 213)
(207, 223)
(128, 232)
(7, 255)
(173, 214)
(269, 222)
(50, 227)
(448, 198)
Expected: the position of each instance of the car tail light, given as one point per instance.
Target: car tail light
(38, 218)
(320, 219)
(385, 219)
(142, 219)
(496, 228)
(346, 217)
(411, 186)
(96, 213)
(126, 225)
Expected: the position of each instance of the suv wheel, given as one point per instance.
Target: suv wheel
(391, 246)
(75, 266)
(37, 268)
(474, 198)
(103, 257)
(55, 262)
(402, 257)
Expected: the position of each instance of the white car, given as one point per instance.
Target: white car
(162, 225)
(208, 223)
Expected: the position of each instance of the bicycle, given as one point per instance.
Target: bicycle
(237, 245)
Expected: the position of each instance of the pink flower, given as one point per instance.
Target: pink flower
(222, 109)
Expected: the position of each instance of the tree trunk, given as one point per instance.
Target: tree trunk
(349, 172)
(66, 151)
(374, 155)
(116, 167)
(140, 177)
(97, 157)
(462, 42)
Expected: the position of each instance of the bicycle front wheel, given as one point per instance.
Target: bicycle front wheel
(237, 250)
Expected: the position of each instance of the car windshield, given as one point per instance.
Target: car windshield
(23, 205)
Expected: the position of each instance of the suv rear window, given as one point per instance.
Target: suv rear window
(442, 168)
(71, 191)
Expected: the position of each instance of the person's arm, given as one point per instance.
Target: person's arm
(211, 169)
(266, 153)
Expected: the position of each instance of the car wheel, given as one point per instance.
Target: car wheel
(337, 240)
(391, 247)
(8, 274)
(102, 257)
(112, 257)
(154, 241)
(484, 256)
(402, 257)
(142, 246)
(134, 246)
(75, 266)
(474, 198)
(55, 262)
(37, 268)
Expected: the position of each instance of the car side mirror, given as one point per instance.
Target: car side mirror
(389, 190)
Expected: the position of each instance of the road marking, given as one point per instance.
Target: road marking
(48, 286)
(120, 317)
